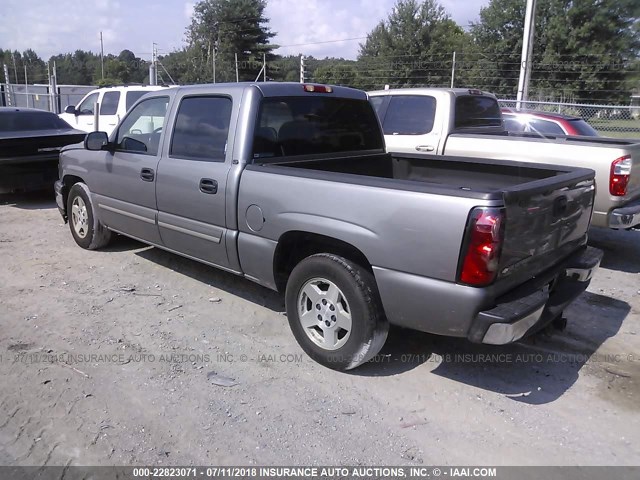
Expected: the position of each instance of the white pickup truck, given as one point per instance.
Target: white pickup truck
(464, 122)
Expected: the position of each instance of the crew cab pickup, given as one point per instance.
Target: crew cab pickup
(439, 121)
(289, 186)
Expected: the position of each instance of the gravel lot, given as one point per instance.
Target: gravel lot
(106, 358)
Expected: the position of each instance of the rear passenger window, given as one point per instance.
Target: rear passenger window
(133, 96)
(477, 111)
(109, 105)
(409, 115)
(202, 128)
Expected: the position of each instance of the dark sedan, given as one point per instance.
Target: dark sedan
(30, 141)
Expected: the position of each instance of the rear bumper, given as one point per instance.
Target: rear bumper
(27, 176)
(58, 186)
(625, 217)
(452, 309)
(521, 313)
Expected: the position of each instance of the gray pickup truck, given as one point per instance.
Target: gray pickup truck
(289, 185)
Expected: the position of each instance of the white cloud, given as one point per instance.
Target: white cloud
(67, 25)
(188, 10)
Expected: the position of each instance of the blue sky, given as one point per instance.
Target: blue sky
(58, 26)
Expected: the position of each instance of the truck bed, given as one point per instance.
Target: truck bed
(491, 179)
(548, 207)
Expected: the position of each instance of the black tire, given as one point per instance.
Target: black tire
(92, 234)
(357, 286)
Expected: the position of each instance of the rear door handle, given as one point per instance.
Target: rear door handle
(147, 174)
(424, 148)
(208, 185)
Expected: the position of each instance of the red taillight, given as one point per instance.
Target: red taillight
(480, 264)
(317, 88)
(620, 173)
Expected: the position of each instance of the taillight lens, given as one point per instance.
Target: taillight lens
(486, 232)
(620, 173)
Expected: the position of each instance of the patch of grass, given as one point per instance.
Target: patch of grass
(616, 128)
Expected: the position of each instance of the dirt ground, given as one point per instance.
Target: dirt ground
(115, 357)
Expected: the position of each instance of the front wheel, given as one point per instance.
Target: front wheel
(85, 227)
(335, 312)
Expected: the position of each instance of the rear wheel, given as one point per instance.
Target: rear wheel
(85, 227)
(335, 312)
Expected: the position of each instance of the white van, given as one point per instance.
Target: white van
(114, 103)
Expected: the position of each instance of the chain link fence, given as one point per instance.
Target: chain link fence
(621, 121)
(41, 96)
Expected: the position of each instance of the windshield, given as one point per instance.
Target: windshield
(289, 126)
(16, 121)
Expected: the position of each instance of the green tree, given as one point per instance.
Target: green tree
(582, 50)
(79, 68)
(336, 71)
(224, 28)
(414, 46)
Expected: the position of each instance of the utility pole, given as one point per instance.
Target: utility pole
(15, 69)
(237, 76)
(54, 89)
(26, 85)
(453, 69)
(101, 55)
(302, 70)
(153, 68)
(527, 53)
(264, 66)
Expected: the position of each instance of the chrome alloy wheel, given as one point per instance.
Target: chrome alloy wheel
(324, 313)
(79, 217)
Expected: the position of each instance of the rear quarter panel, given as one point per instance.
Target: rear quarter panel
(408, 231)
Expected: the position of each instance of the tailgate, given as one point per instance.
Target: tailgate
(546, 221)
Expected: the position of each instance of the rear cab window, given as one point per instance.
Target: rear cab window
(311, 125)
(477, 111)
(583, 128)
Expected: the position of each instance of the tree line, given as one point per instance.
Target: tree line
(584, 50)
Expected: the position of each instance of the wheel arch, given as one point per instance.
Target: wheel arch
(294, 246)
(69, 181)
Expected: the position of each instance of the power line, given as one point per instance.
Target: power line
(318, 43)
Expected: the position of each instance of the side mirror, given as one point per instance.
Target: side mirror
(96, 141)
(71, 109)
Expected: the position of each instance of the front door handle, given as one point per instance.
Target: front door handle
(208, 185)
(147, 174)
(424, 148)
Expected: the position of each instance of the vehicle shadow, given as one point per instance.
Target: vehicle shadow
(621, 248)
(537, 370)
(214, 277)
(122, 243)
(37, 200)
